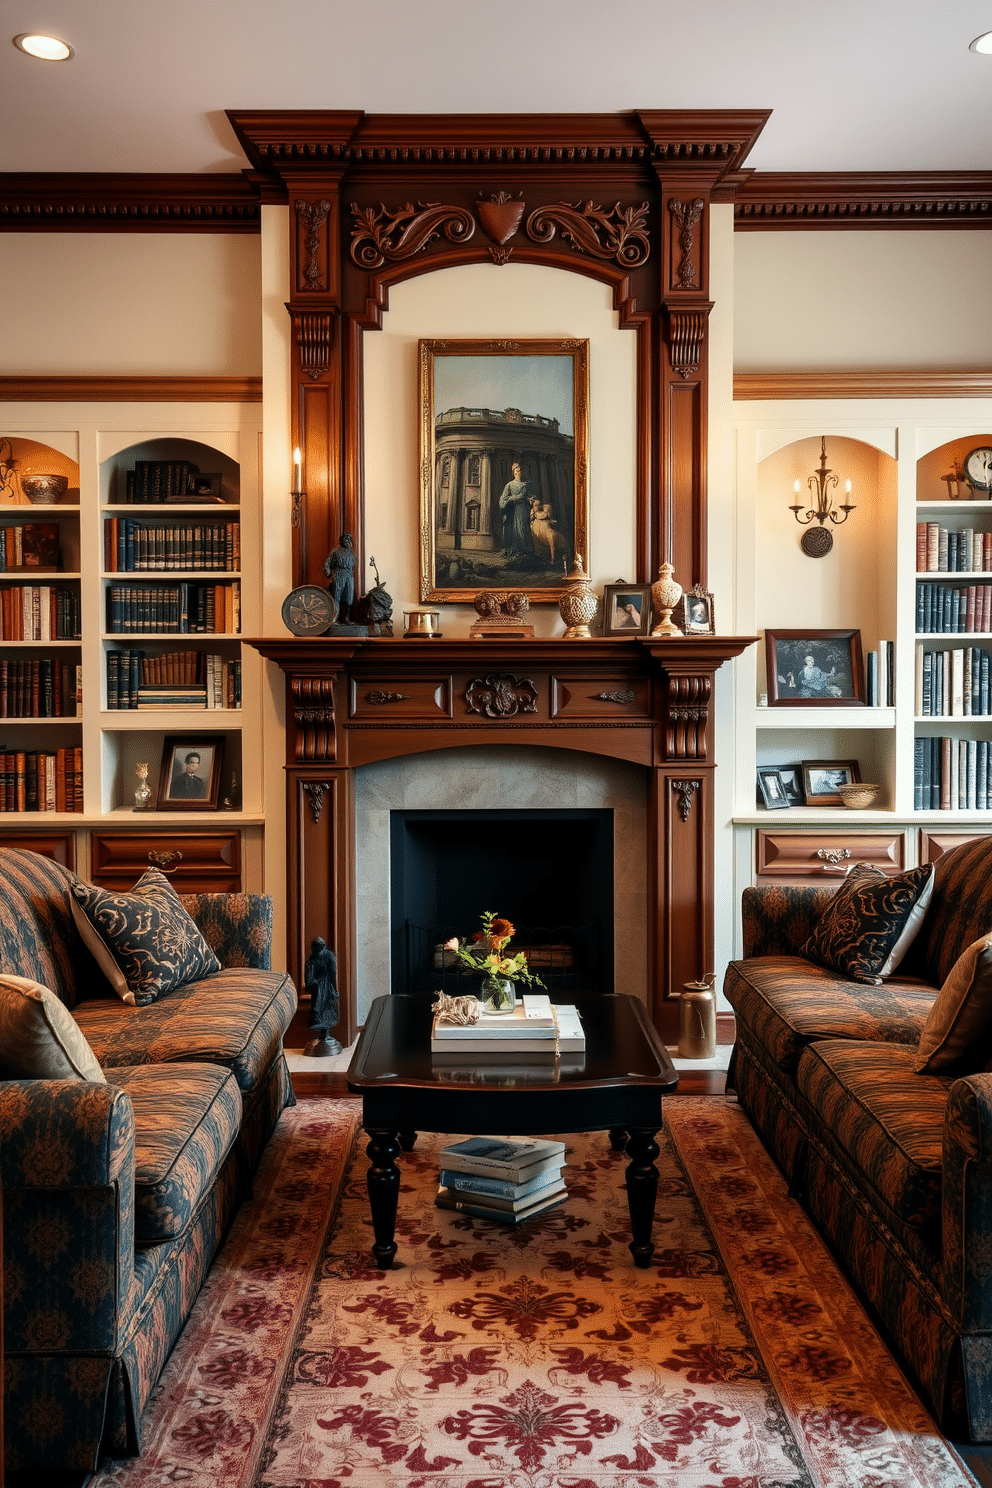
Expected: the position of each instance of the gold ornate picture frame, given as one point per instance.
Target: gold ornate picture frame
(504, 431)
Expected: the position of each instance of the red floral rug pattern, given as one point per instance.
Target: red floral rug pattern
(536, 1357)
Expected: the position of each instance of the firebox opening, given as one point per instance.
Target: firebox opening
(549, 871)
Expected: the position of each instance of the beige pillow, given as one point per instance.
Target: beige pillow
(958, 1030)
(39, 1037)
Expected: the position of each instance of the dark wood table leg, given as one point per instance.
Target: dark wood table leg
(383, 1183)
(408, 1140)
(642, 1186)
(618, 1138)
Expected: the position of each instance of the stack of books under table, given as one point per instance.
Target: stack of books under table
(493, 1178)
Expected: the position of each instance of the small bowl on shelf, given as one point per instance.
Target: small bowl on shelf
(44, 489)
(859, 797)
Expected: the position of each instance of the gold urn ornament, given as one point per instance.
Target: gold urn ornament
(665, 595)
(577, 605)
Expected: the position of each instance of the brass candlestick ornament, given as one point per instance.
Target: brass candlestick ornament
(665, 595)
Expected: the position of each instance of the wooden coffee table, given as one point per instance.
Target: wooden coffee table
(616, 1086)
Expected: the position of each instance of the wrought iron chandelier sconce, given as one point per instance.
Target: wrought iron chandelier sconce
(818, 541)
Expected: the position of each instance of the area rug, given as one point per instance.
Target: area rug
(536, 1356)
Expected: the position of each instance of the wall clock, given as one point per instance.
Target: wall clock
(309, 610)
(978, 469)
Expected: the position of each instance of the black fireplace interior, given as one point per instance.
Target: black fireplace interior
(550, 872)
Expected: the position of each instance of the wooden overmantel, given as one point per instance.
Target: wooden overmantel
(352, 702)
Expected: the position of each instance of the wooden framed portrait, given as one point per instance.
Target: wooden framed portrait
(696, 608)
(814, 668)
(504, 432)
(771, 789)
(626, 609)
(190, 776)
(822, 777)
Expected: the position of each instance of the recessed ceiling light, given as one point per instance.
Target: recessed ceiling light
(48, 48)
(982, 44)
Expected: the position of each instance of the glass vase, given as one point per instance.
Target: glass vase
(498, 995)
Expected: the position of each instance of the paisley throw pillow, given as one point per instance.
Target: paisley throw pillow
(870, 922)
(144, 941)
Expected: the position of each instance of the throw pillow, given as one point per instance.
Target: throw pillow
(39, 1037)
(958, 1032)
(144, 941)
(870, 922)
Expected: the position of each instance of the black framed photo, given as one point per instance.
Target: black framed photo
(626, 609)
(697, 611)
(771, 789)
(190, 774)
(822, 777)
(792, 783)
(814, 668)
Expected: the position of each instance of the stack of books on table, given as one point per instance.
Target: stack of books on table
(493, 1178)
(534, 1030)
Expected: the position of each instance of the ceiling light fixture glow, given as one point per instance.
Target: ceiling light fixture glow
(982, 44)
(47, 48)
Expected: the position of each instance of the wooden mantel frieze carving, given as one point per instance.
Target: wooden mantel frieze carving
(501, 695)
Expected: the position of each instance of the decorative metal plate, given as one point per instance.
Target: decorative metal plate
(308, 610)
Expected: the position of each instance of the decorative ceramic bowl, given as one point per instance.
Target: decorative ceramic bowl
(859, 797)
(44, 489)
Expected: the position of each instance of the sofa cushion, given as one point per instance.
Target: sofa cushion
(39, 938)
(886, 1121)
(958, 1032)
(236, 1018)
(786, 1002)
(186, 1120)
(39, 1038)
(145, 941)
(870, 922)
(960, 910)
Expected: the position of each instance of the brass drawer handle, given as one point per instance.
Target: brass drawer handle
(834, 860)
(164, 860)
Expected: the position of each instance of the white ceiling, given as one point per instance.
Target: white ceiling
(853, 84)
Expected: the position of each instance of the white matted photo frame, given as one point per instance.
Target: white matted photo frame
(504, 434)
(190, 776)
(626, 609)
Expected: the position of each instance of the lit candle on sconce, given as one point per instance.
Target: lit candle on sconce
(297, 472)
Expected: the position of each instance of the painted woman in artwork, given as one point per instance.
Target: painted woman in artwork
(515, 502)
(544, 529)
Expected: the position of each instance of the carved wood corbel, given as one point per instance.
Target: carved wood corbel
(313, 331)
(687, 715)
(313, 716)
(686, 331)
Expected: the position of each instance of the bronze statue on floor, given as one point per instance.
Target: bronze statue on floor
(320, 976)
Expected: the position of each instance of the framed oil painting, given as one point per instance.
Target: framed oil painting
(190, 776)
(504, 429)
(814, 668)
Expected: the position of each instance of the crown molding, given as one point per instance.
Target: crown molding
(130, 389)
(800, 201)
(750, 386)
(71, 202)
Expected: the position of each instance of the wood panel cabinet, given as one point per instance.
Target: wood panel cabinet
(195, 862)
(823, 857)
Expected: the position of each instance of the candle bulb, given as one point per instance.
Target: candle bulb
(297, 469)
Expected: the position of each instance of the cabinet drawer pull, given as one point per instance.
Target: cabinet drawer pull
(833, 855)
(164, 860)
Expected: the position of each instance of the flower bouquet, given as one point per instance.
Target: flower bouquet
(486, 954)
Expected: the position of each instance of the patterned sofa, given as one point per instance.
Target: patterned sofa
(893, 1165)
(118, 1192)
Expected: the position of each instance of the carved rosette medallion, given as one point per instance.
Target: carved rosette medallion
(686, 214)
(617, 232)
(685, 790)
(686, 716)
(380, 235)
(315, 791)
(312, 216)
(501, 695)
(313, 715)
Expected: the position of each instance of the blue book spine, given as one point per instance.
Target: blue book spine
(918, 773)
(921, 607)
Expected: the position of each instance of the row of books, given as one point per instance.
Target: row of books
(33, 548)
(39, 612)
(942, 609)
(158, 480)
(44, 688)
(131, 546)
(31, 781)
(940, 550)
(183, 609)
(533, 1029)
(179, 679)
(496, 1179)
(952, 775)
(953, 684)
(880, 676)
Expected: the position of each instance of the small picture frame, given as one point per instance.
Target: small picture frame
(814, 668)
(792, 782)
(626, 609)
(697, 611)
(771, 789)
(822, 777)
(190, 776)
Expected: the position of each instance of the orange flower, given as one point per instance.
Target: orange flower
(503, 930)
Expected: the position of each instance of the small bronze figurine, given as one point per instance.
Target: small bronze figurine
(375, 609)
(320, 976)
(339, 566)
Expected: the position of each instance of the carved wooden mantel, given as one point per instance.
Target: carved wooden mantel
(351, 703)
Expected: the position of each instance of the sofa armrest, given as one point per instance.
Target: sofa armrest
(67, 1169)
(778, 919)
(967, 1202)
(237, 927)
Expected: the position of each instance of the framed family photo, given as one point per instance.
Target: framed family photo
(822, 777)
(771, 789)
(626, 609)
(190, 775)
(814, 668)
(504, 431)
(697, 611)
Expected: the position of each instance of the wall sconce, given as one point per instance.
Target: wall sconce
(819, 540)
(8, 468)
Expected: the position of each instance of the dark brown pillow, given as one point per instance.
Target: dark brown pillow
(870, 922)
(958, 1032)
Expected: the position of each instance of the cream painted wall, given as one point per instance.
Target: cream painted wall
(483, 301)
(805, 301)
(130, 304)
